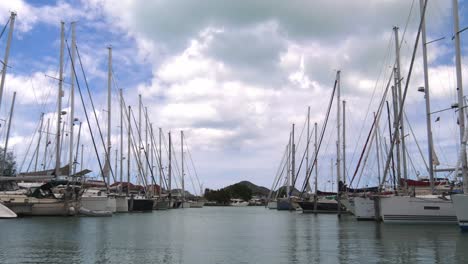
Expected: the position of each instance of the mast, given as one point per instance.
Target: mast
(160, 163)
(293, 158)
(129, 155)
(82, 151)
(376, 131)
(77, 146)
(152, 157)
(428, 102)
(7, 54)
(169, 188)
(121, 140)
(139, 135)
(400, 103)
(182, 158)
(8, 134)
(308, 143)
(397, 131)
(316, 169)
(148, 177)
(39, 141)
(288, 175)
(116, 159)
(109, 108)
(46, 144)
(59, 99)
(344, 142)
(461, 112)
(72, 98)
(338, 153)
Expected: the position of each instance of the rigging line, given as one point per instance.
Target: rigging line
(416, 141)
(320, 142)
(145, 152)
(29, 146)
(411, 162)
(86, 113)
(277, 173)
(191, 160)
(142, 174)
(305, 151)
(94, 109)
(369, 135)
(381, 72)
(4, 28)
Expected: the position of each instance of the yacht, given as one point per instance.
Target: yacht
(239, 203)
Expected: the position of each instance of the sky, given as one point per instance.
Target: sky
(234, 76)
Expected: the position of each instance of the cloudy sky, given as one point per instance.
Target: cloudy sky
(235, 75)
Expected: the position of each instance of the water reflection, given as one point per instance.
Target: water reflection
(226, 235)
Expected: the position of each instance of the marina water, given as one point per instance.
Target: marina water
(226, 235)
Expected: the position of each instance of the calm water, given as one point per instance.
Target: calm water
(226, 235)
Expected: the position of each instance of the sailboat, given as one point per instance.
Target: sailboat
(460, 201)
(430, 208)
(57, 196)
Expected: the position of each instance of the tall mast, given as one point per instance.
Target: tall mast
(344, 142)
(148, 177)
(182, 158)
(77, 147)
(308, 143)
(428, 102)
(116, 160)
(46, 144)
(121, 139)
(129, 154)
(8, 134)
(169, 188)
(72, 98)
(82, 151)
(400, 103)
(39, 141)
(160, 163)
(7, 54)
(288, 175)
(461, 112)
(293, 158)
(376, 131)
(59, 100)
(109, 108)
(139, 135)
(395, 125)
(338, 152)
(316, 169)
(151, 149)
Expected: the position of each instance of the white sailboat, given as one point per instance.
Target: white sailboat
(423, 208)
(460, 201)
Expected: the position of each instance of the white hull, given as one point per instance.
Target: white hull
(121, 204)
(97, 200)
(94, 203)
(5, 212)
(197, 204)
(364, 208)
(24, 205)
(423, 209)
(272, 205)
(460, 203)
(186, 204)
(348, 202)
(241, 204)
(111, 204)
